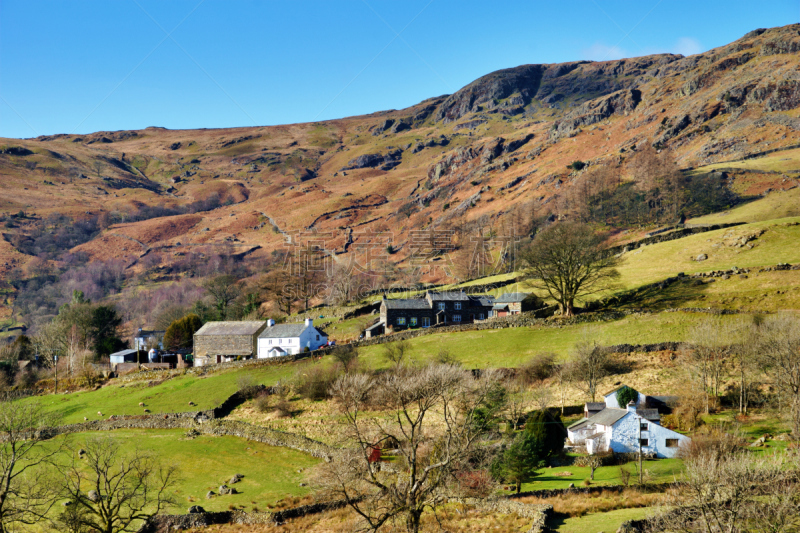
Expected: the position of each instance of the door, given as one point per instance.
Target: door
(426, 322)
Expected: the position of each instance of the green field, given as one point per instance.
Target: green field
(659, 261)
(592, 523)
(783, 161)
(171, 396)
(659, 470)
(206, 462)
(777, 204)
(511, 346)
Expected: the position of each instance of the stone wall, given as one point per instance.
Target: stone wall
(539, 513)
(203, 422)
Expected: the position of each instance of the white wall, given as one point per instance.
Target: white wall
(625, 437)
(611, 401)
(292, 345)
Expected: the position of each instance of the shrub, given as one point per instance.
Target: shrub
(625, 395)
(247, 387)
(313, 383)
(577, 165)
(26, 379)
(475, 483)
(538, 368)
(262, 403)
(284, 409)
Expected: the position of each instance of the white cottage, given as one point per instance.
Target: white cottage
(611, 399)
(289, 339)
(623, 430)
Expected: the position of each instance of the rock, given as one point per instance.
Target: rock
(701, 257)
(235, 479)
(194, 509)
(93, 496)
(571, 486)
(209, 494)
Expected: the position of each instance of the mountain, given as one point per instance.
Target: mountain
(493, 152)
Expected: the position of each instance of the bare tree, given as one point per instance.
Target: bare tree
(588, 365)
(430, 429)
(113, 491)
(26, 491)
(346, 355)
(732, 492)
(395, 352)
(224, 290)
(50, 343)
(568, 261)
(711, 341)
(778, 346)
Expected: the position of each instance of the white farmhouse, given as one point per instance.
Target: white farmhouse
(611, 399)
(624, 430)
(289, 339)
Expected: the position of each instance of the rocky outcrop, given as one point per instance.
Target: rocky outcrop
(510, 91)
(594, 111)
(385, 162)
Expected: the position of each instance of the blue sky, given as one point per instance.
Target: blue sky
(89, 65)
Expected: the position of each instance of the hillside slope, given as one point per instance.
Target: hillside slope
(495, 152)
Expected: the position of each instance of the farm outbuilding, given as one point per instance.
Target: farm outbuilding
(218, 342)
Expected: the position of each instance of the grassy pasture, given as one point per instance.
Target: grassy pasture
(206, 462)
(171, 396)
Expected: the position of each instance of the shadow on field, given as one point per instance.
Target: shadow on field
(658, 296)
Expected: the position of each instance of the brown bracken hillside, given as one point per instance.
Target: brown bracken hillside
(496, 151)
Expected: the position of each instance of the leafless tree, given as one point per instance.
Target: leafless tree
(778, 347)
(588, 365)
(223, 290)
(711, 341)
(112, 490)
(346, 355)
(395, 352)
(430, 427)
(26, 491)
(732, 492)
(568, 261)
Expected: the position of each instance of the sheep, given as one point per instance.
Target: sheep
(99, 413)
(141, 404)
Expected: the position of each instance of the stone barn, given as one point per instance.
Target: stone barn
(219, 342)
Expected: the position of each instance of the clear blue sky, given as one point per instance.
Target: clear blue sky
(88, 65)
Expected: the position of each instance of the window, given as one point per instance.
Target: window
(480, 316)
(456, 318)
(426, 322)
(270, 341)
(441, 306)
(317, 337)
(672, 443)
(458, 306)
(643, 442)
(643, 426)
(401, 321)
(413, 321)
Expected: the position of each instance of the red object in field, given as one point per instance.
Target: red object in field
(374, 454)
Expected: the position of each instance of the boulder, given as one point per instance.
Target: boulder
(194, 509)
(209, 494)
(701, 257)
(93, 496)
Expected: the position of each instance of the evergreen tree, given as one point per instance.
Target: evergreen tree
(522, 459)
(180, 334)
(104, 330)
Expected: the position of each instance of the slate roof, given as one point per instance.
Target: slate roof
(375, 326)
(511, 297)
(608, 416)
(231, 328)
(277, 349)
(649, 414)
(595, 406)
(577, 425)
(123, 353)
(283, 331)
(482, 300)
(595, 435)
(408, 303)
(455, 296)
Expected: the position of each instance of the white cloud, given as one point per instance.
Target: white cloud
(687, 46)
(602, 52)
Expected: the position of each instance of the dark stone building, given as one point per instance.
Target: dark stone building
(218, 342)
(433, 309)
(514, 303)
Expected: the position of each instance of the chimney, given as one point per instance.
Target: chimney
(631, 406)
(270, 323)
(309, 322)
